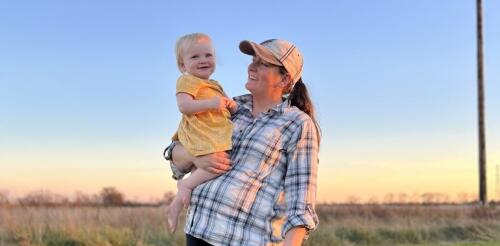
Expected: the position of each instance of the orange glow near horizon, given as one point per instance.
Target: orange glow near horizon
(340, 175)
(335, 183)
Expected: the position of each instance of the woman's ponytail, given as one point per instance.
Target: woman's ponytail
(299, 97)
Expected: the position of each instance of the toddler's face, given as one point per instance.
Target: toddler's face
(199, 60)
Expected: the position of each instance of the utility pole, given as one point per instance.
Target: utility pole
(480, 96)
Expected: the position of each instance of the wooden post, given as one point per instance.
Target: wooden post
(480, 96)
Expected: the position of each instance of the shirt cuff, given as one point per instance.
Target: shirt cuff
(306, 218)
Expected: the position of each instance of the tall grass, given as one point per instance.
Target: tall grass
(85, 226)
(407, 224)
(339, 225)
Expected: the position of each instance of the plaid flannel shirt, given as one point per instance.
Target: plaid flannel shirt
(271, 187)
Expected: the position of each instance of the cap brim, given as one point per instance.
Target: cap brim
(253, 49)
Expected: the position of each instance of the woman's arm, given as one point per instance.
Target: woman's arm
(295, 236)
(189, 106)
(217, 163)
(301, 180)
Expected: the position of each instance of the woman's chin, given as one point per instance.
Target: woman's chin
(249, 86)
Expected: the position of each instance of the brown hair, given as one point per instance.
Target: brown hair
(299, 97)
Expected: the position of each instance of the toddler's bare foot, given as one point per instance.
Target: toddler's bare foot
(184, 193)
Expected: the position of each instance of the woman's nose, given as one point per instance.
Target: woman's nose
(252, 66)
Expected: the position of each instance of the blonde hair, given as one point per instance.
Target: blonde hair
(185, 43)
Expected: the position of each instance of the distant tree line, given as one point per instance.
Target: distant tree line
(416, 198)
(108, 196)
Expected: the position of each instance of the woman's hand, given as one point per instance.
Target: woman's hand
(295, 236)
(217, 163)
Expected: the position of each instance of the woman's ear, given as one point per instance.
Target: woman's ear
(286, 80)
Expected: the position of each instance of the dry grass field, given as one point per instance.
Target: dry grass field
(339, 225)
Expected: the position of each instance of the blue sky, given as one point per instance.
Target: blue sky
(87, 89)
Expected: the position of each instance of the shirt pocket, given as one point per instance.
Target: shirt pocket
(264, 150)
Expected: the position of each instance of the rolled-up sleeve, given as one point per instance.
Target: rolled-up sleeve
(301, 179)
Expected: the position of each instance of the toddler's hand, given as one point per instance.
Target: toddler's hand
(218, 103)
(232, 106)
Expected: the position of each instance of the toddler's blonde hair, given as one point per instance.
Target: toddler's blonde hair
(185, 42)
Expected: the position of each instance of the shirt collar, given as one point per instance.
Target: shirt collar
(246, 101)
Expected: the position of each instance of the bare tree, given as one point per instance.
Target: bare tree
(168, 197)
(373, 200)
(389, 198)
(351, 199)
(462, 197)
(428, 198)
(4, 197)
(414, 198)
(112, 197)
(82, 199)
(441, 198)
(43, 198)
(403, 198)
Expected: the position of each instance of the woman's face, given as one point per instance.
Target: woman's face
(264, 78)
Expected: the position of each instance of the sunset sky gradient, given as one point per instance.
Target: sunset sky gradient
(87, 90)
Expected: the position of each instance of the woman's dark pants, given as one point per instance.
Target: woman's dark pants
(193, 241)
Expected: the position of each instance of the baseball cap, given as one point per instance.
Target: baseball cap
(278, 52)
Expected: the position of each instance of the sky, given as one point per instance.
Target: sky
(87, 90)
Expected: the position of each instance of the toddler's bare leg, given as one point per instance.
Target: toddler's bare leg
(173, 212)
(187, 185)
(184, 189)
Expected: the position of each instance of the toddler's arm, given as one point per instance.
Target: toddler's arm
(189, 106)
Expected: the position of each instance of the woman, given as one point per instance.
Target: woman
(267, 191)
